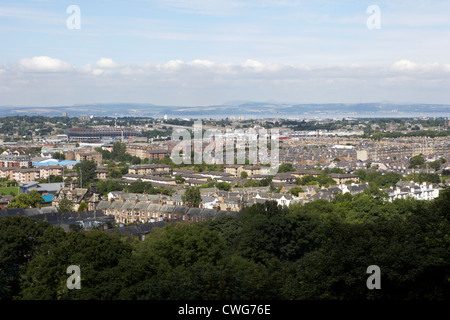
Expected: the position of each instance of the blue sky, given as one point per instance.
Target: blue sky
(186, 52)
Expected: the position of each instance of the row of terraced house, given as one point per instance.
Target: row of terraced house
(147, 211)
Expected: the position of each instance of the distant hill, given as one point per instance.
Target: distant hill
(248, 109)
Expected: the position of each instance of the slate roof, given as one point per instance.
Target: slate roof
(194, 212)
(138, 229)
(358, 188)
(222, 213)
(128, 205)
(181, 209)
(102, 205)
(154, 207)
(210, 213)
(167, 208)
(116, 205)
(141, 206)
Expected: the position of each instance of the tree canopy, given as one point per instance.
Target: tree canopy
(192, 196)
(86, 172)
(65, 205)
(318, 250)
(24, 201)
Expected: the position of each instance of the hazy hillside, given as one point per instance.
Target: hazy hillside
(239, 108)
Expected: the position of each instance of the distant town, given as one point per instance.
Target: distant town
(85, 172)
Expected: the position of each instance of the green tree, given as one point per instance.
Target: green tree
(106, 186)
(416, 161)
(20, 237)
(436, 165)
(103, 261)
(83, 206)
(135, 160)
(119, 149)
(325, 180)
(441, 204)
(59, 155)
(264, 232)
(179, 179)
(185, 262)
(65, 205)
(322, 180)
(296, 190)
(286, 167)
(228, 226)
(406, 250)
(192, 197)
(225, 186)
(140, 186)
(86, 172)
(24, 201)
(429, 177)
(381, 180)
(114, 172)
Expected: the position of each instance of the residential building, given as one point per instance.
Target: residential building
(233, 169)
(414, 190)
(129, 211)
(46, 171)
(88, 156)
(236, 170)
(344, 177)
(101, 173)
(16, 161)
(150, 169)
(77, 196)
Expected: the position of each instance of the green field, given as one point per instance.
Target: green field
(8, 190)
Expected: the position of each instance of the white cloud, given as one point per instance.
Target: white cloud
(406, 65)
(97, 72)
(247, 69)
(199, 80)
(253, 64)
(43, 64)
(201, 63)
(107, 63)
(85, 69)
(172, 65)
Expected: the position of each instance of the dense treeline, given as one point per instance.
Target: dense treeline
(320, 250)
(309, 125)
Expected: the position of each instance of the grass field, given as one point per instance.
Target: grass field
(8, 190)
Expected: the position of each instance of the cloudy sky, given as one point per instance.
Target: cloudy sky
(207, 52)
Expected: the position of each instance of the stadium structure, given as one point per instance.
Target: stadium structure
(99, 134)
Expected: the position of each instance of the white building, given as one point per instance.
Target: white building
(416, 191)
(281, 199)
